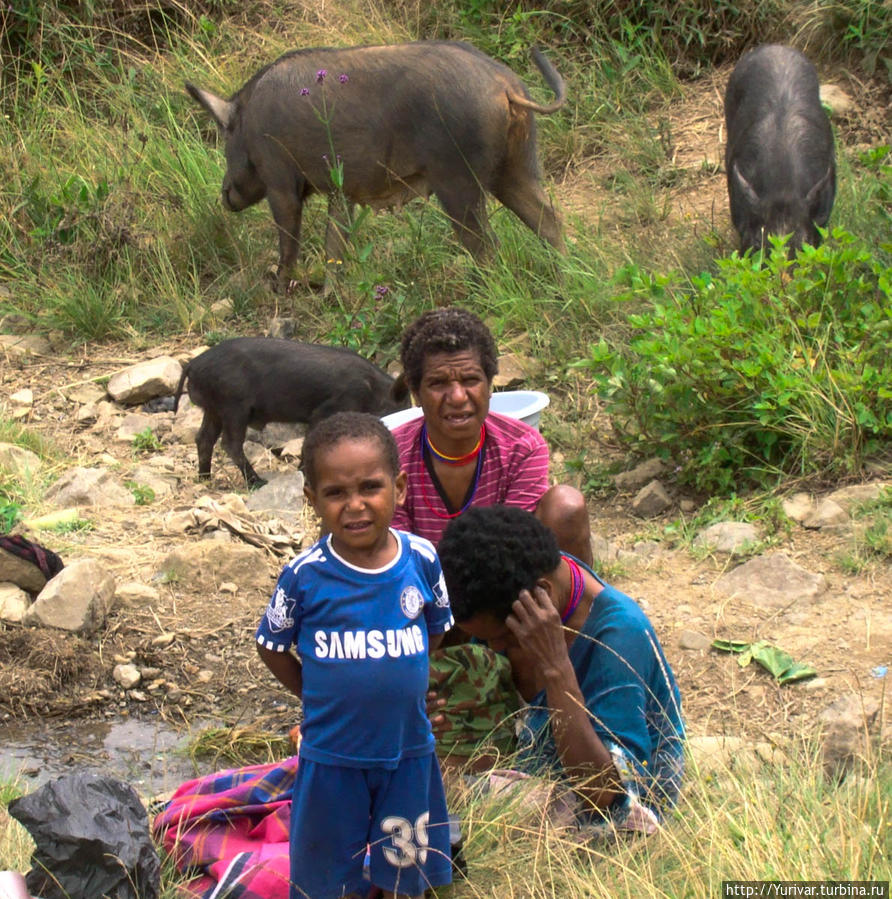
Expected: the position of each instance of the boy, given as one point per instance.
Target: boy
(363, 606)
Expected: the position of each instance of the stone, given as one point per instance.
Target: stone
(24, 574)
(282, 496)
(717, 755)
(89, 487)
(651, 500)
(128, 676)
(145, 380)
(849, 497)
(846, 725)
(636, 478)
(514, 370)
(732, 537)
(838, 101)
(86, 394)
(693, 640)
(207, 563)
(135, 423)
(291, 451)
(826, 514)
(14, 602)
(773, 582)
(277, 434)
(134, 593)
(77, 599)
(25, 345)
(20, 462)
(23, 397)
(798, 506)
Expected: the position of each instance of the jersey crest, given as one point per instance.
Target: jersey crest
(411, 601)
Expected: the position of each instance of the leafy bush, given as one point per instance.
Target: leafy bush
(758, 370)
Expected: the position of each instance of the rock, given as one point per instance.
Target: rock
(135, 593)
(603, 550)
(206, 563)
(826, 514)
(145, 380)
(642, 474)
(277, 434)
(282, 496)
(159, 473)
(772, 581)
(24, 574)
(514, 370)
(20, 462)
(25, 345)
(687, 505)
(228, 587)
(89, 487)
(846, 724)
(85, 394)
(839, 102)
(162, 641)
(128, 676)
(651, 500)
(23, 397)
(135, 423)
(798, 506)
(291, 451)
(693, 640)
(717, 755)
(14, 602)
(849, 497)
(187, 421)
(77, 599)
(732, 537)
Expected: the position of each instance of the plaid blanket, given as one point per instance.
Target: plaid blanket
(230, 829)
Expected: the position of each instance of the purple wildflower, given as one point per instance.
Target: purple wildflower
(320, 76)
(343, 77)
(381, 291)
(304, 91)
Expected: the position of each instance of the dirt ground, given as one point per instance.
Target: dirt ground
(200, 640)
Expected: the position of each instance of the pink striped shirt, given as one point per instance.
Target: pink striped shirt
(514, 472)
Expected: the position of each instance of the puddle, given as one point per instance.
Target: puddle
(149, 755)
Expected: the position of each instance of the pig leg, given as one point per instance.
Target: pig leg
(527, 200)
(286, 205)
(204, 440)
(465, 204)
(234, 444)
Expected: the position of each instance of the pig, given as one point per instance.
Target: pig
(255, 380)
(391, 123)
(779, 157)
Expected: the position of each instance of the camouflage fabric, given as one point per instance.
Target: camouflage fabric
(481, 700)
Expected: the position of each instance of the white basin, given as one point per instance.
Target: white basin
(523, 404)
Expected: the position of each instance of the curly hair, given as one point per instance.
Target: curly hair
(447, 330)
(489, 554)
(347, 426)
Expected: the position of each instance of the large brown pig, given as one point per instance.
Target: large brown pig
(379, 126)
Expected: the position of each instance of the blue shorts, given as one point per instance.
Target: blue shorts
(337, 813)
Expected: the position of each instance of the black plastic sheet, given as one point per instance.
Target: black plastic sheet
(92, 840)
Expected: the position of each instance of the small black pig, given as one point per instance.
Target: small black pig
(779, 158)
(256, 380)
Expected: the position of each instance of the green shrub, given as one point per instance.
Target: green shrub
(757, 371)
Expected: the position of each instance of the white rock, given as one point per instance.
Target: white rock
(127, 676)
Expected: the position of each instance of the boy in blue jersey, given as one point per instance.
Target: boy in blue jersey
(363, 607)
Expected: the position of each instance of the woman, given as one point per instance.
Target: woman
(603, 709)
(459, 454)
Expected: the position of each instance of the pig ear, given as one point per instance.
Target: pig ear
(751, 196)
(820, 195)
(220, 109)
(399, 390)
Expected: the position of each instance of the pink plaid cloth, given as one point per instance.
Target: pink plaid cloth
(231, 829)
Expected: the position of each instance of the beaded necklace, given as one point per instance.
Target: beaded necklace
(425, 442)
(453, 460)
(577, 590)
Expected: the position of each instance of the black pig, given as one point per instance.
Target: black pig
(256, 380)
(779, 158)
(379, 126)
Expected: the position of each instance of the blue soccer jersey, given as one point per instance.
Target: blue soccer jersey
(362, 639)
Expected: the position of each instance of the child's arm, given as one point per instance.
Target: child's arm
(286, 667)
